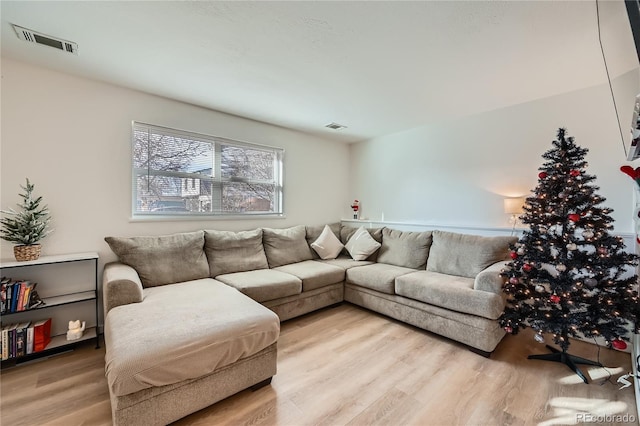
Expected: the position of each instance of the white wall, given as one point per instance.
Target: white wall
(71, 137)
(458, 172)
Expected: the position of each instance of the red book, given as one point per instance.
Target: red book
(41, 334)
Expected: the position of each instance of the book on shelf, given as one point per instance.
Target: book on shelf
(24, 290)
(34, 299)
(30, 339)
(5, 342)
(21, 288)
(27, 295)
(41, 334)
(7, 303)
(4, 282)
(21, 339)
(12, 340)
(15, 292)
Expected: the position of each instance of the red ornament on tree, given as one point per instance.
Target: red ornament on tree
(574, 217)
(574, 173)
(513, 255)
(542, 175)
(508, 329)
(527, 267)
(619, 344)
(554, 298)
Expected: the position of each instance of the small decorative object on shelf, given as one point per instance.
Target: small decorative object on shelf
(26, 226)
(75, 330)
(356, 208)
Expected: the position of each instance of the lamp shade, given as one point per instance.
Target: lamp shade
(514, 205)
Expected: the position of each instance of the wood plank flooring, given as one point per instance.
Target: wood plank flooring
(349, 366)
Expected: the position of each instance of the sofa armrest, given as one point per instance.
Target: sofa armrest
(489, 279)
(121, 285)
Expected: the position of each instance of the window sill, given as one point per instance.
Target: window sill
(205, 218)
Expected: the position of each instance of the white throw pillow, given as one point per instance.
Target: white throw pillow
(328, 246)
(361, 244)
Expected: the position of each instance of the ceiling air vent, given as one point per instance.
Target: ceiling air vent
(335, 126)
(39, 38)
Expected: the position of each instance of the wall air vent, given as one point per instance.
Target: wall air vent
(39, 38)
(335, 126)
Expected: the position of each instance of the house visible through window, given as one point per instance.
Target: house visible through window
(183, 173)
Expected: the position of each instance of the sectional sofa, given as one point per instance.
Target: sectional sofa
(193, 318)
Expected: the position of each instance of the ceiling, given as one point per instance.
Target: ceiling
(377, 67)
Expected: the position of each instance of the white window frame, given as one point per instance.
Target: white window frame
(217, 181)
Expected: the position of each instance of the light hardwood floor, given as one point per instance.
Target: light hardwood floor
(349, 366)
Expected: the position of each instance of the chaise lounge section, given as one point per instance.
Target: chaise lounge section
(175, 348)
(193, 318)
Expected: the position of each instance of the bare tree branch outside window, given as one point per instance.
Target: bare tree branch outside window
(177, 173)
(247, 170)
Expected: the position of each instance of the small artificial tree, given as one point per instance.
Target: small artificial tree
(30, 223)
(568, 276)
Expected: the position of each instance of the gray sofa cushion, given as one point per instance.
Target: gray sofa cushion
(263, 284)
(313, 232)
(466, 255)
(229, 252)
(346, 232)
(377, 276)
(450, 292)
(183, 331)
(314, 274)
(345, 262)
(164, 259)
(407, 249)
(285, 246)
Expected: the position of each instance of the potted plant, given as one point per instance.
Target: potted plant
(26, 226)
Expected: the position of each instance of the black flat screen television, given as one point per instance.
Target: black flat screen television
(633, 12)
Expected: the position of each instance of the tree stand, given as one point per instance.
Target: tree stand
(568, 359)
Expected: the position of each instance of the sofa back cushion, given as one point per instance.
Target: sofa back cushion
(164, 259)
(403, 248)
(313, 233)
(346, 232)
(286, 246)
(466, 255)
(229, 252)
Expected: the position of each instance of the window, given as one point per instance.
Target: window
(180, 173)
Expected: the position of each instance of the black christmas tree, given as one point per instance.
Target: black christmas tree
(569, 277)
